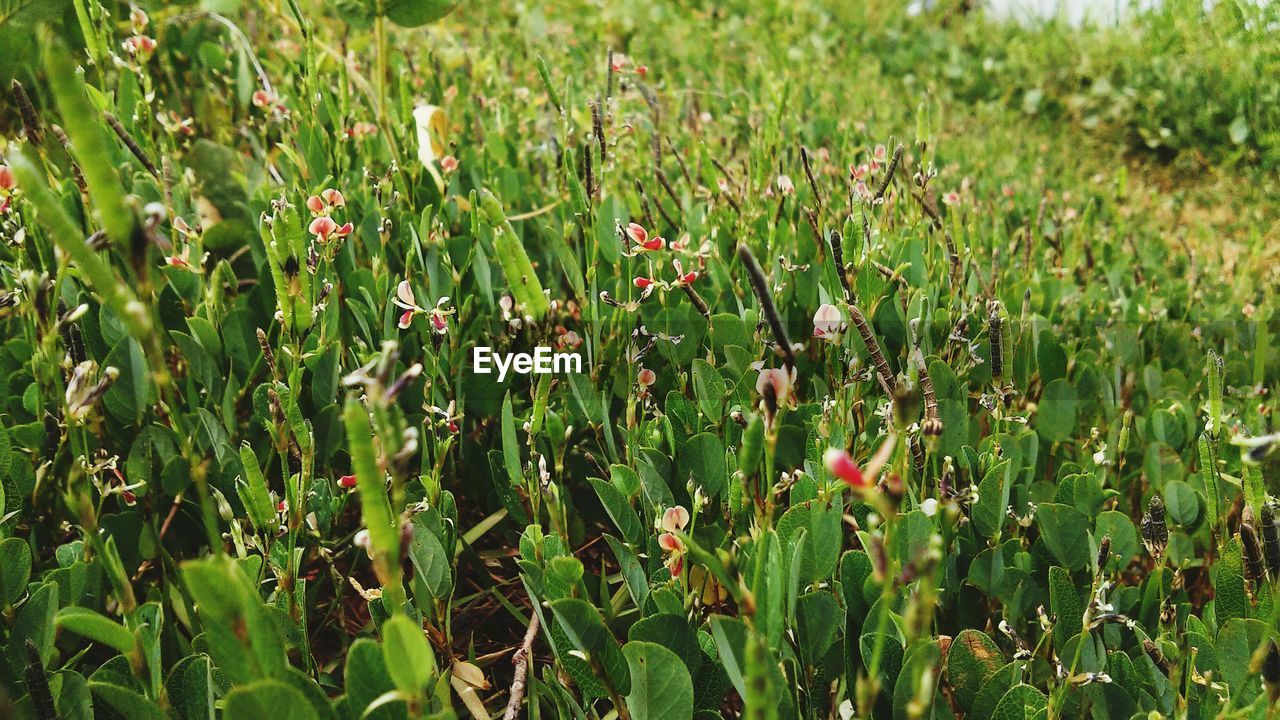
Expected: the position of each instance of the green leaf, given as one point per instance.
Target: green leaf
(661, 688)
(702, 460)
(1181, 502)
(15, 569)
(1064, 603)
(972, 659)
(97, 627)
(128, 703)
(510, 446)
(672, 632)
(1124, 537)
(993, 499)
(620, 511)
(709, 389)
(273, 699)
(431, 562)
(243, 638)
(190, 688)
(1065, 531)
(408, 655)
(1021, 702)
(1056, 417)
(130, 394)
(818, 619)
(984, 703)
(412, 13)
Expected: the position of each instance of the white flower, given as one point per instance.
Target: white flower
(929, 507)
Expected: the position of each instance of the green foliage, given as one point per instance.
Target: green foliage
(898, 397)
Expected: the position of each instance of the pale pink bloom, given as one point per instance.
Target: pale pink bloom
(858, 172)
(670, 543)
(646, 377)
(951, 198)
(778, 379)
(785, 186)
(324, 227)
(264, 99)
(642, 70)
(405, 319)
(642, 282)
(861, 190)
(140, 46)
(839, 463)
(315, 204)
(827, 321)
(881, 153)
(675, 519)
(362, 130)
(333, 198)
(637, 233)
(7, 183)
(138, 19)
(448, 163)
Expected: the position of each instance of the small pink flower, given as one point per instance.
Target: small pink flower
(637, 233)
(951, 198)
(858, 172)
(4, 204)
(448, 163)
(881, 153)
(862, 191)
(282, 506)
(405, 319)
(670, 543)
(315, 204)
(653, 243)
(438, 322)
(827, 321)
(646, 377)
(1008, 190)
(263, 99)
(347, 481)
(7, 183)
(642, 282)
(642, 70)
(140, 46)
(138, 19)
(778, 379)
(675, 519)
(333, 198)
(785, 186)
(324, 227)
(362, 130)
(839, 463)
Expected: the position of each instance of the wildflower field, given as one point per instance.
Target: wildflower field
(748, 359)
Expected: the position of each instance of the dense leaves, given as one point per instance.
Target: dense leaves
(871, 390)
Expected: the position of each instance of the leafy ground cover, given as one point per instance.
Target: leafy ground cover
(927, 362)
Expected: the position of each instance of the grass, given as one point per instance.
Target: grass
(249, 468)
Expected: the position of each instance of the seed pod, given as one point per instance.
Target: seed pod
(917, 454)
(837, 253)
(888, 173)
(755, 276)
(1155, 533)
(30, 121)
(131, 144)
(1104, 551)
(70, 333)
(996, 335)
(38, 685)
(1253, 554)
(752, 447)
(77, 175)
(1271, 671)
(1271, 541)
(697, 300)
(1157, 656)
